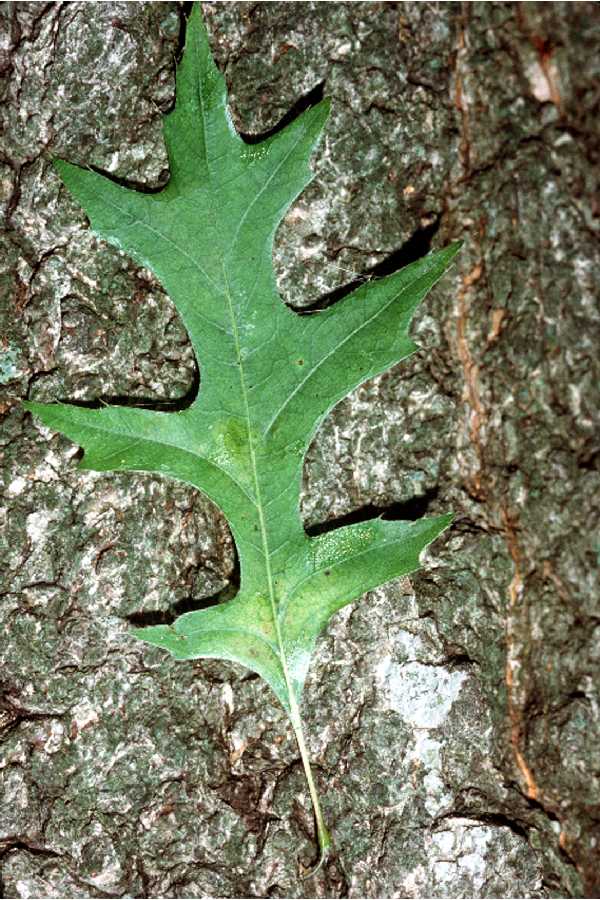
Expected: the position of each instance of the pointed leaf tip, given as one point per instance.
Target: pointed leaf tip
(64, 170)
(196, 28)
(452, 249)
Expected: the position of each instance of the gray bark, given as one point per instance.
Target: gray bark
(455, 723)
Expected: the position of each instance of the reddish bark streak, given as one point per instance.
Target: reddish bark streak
(513, 662)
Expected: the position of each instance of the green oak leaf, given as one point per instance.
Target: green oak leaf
(269, 377)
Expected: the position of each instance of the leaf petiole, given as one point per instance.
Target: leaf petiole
(323, 837)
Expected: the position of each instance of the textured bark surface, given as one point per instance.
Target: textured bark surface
(455, 727)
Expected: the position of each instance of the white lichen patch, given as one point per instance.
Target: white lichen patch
(84, 715)
(16, 487)
(457, 860)
(227, 698)
(8, 365)
(422, 694)
(108, 871)
(36, 526)
(15, 803)
(52, 738)
(426, 759)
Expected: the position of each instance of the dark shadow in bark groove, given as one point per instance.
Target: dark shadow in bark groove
(190, 604)
(406, 510)
(177, 404)
(417, 246)
(306, 101)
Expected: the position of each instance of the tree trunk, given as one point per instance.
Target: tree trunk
(453, 720)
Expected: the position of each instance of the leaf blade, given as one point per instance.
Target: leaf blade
(268, 379)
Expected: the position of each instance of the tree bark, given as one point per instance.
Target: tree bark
(453, 720)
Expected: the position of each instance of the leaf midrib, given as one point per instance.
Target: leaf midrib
(244, 390)
(259, 503)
